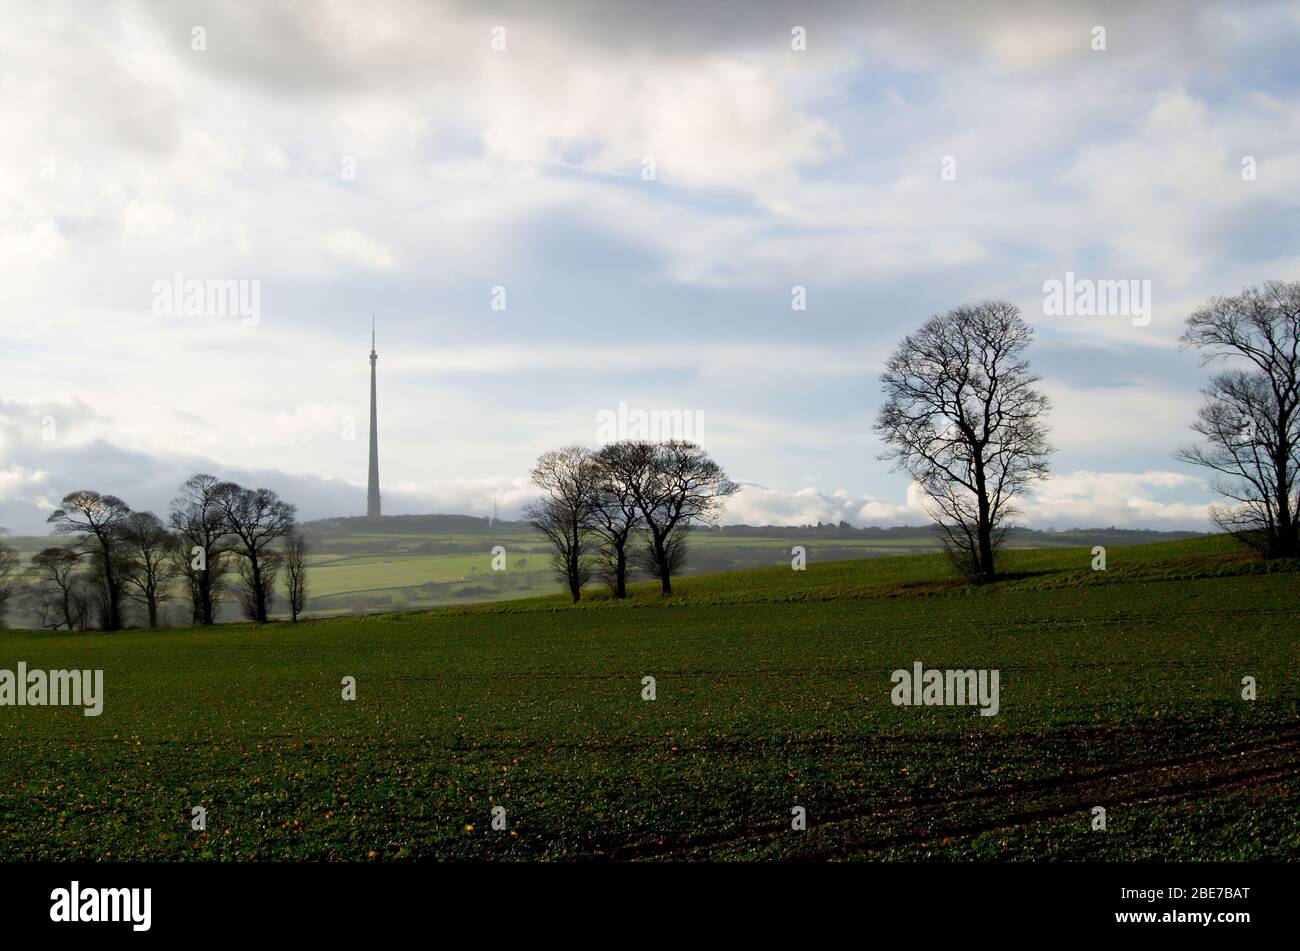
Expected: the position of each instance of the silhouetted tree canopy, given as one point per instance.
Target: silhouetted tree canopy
(963, 419)
(1250, 420)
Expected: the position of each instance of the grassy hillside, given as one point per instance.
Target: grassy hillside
(421, 561)
(1023, 570)
(430, 561)
(1120, 689)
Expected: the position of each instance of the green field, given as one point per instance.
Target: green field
(402, 563)
(369, 571)
(1119, 689)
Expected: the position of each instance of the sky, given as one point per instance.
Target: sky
(555, 209)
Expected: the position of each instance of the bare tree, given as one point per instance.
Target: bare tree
(202, 552)
(1251, 416)
(257, 518)
(97, 521)
(295, 565)
(962, 417)
(676, 486)
(567, 478)
(614, 513)
(149, 561)
(668, 558)
(57, 592)
(10, 564)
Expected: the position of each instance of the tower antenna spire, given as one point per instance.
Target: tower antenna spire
(372, 493)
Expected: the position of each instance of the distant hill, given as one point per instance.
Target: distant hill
(1017, 537)
(409, 524)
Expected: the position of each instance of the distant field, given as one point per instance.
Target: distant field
(368, 571)
(1118, 689)
(358, 569)
(399, 575)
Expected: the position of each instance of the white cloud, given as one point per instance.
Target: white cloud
(83, 455)
(759, 505)
(20, 484)
(1075, 499)
(352, 246)
(476, 168)
(1123, 499)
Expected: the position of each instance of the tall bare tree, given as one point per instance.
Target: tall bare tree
(295, 566)
(962, 417)
(567, 478)
(614, 513)
(257, 518)
(149, 561)
(57, 592)
(1250, 419)
(98, 521)
(10, 570)
(202, 553)
(676, 487)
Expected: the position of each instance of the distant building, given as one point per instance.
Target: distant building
(372, 493)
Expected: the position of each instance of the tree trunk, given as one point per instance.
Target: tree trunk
(986, 550)
(575, 589)
(1288, 537)
(575, 582)
(620, 573)
(984, 523)
(113, 607)
(661, 563)
(259, 593)
(207, 605)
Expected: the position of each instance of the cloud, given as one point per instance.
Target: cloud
(523, 168)
(1123, 499)
(1075, 499)
(77, 458)
(79, 455)
(348, 244)
(760, 505)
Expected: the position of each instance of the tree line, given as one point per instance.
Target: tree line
(963, 417)
(220, 541)
(625, 507)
